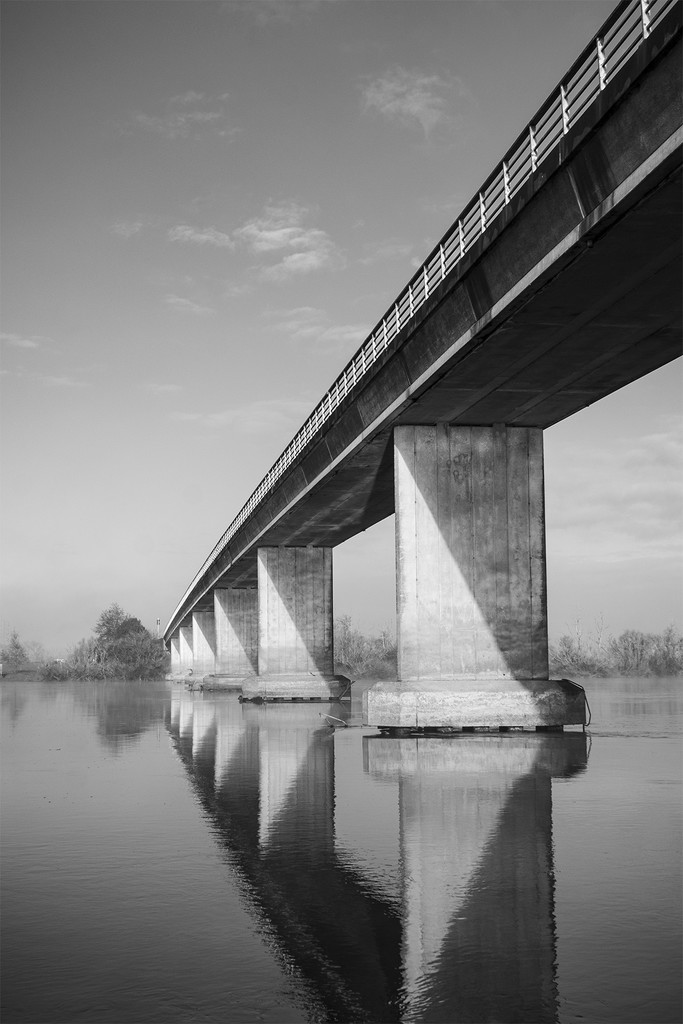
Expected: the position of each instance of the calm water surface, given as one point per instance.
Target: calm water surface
(170, 857)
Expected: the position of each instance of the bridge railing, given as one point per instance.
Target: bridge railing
(624, 32)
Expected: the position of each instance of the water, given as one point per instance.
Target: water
(177, 857)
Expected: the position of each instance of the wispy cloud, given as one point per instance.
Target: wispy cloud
(187, 306)
(385, 251)
(445, 205)
(623, 505)
(63, 381)
(201, 236)
(23, 341)
(306, 323)
(163, 389)
(274, 12)
(187, 115)
(127, 228)
(281, 231)
(415, 99)
(236, 289)
(260, 417)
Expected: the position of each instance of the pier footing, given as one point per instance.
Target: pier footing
(296, 686)
(498, 704)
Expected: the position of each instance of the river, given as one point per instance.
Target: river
(179, 857)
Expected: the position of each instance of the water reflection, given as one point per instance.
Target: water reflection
(407, 879)
(123, 709)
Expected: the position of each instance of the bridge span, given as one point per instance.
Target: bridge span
(557, 285)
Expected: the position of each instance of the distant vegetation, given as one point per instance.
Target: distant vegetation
(357, 655)
(632, 653)
(120, 648)
(13, 655)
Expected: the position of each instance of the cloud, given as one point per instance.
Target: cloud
(63, 381)
(190, 97)
(622, 505)
(275, 12)
(201, 236)
(187, 306)
(127, 228)
(163, 389)
(281, 231)
(263, 416)
(236, 289)
(306, 323)
(384, 251)
(446, 205)
(23, 341)
(188, 114)
(414, 99)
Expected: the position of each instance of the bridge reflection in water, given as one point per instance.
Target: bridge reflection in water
(407, 879)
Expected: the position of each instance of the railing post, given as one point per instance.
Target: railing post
(461, 239)
(426, 281)
(565, 110)
(602, 74)
(482, 212)
(442, 257)
(410, 300)
(645, 17)
(506, 183)
(532, 147)
(398, 318)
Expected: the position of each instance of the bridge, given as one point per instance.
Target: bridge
(558, 284)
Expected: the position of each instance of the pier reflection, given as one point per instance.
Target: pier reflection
(406, 879)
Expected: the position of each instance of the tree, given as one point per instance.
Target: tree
(13, 654)
(121, 648)
(113, 626)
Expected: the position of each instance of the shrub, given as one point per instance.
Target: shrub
(631, 653)
(358, 655)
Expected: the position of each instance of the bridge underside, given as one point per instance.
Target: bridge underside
(604, 314)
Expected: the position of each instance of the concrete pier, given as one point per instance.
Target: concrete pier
(471, 588)
(295, 655)
(236, 620)
(185, 648)
(203, 644)
(175, 654)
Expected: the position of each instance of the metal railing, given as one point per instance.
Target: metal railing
(624, 32)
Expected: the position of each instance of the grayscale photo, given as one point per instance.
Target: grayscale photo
(341, 518)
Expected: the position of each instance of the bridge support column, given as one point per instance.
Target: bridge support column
(175, 654)
(471, 589)
(295, 656)
(185, 648)
(236, 615)
(203, 644)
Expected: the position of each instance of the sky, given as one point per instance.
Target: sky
(206, 206)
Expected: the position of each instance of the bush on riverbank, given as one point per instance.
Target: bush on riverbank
(358, 656)
(632, 653)
(121, 648)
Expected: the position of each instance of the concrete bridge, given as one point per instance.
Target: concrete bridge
(558, 284)
(403, 878)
